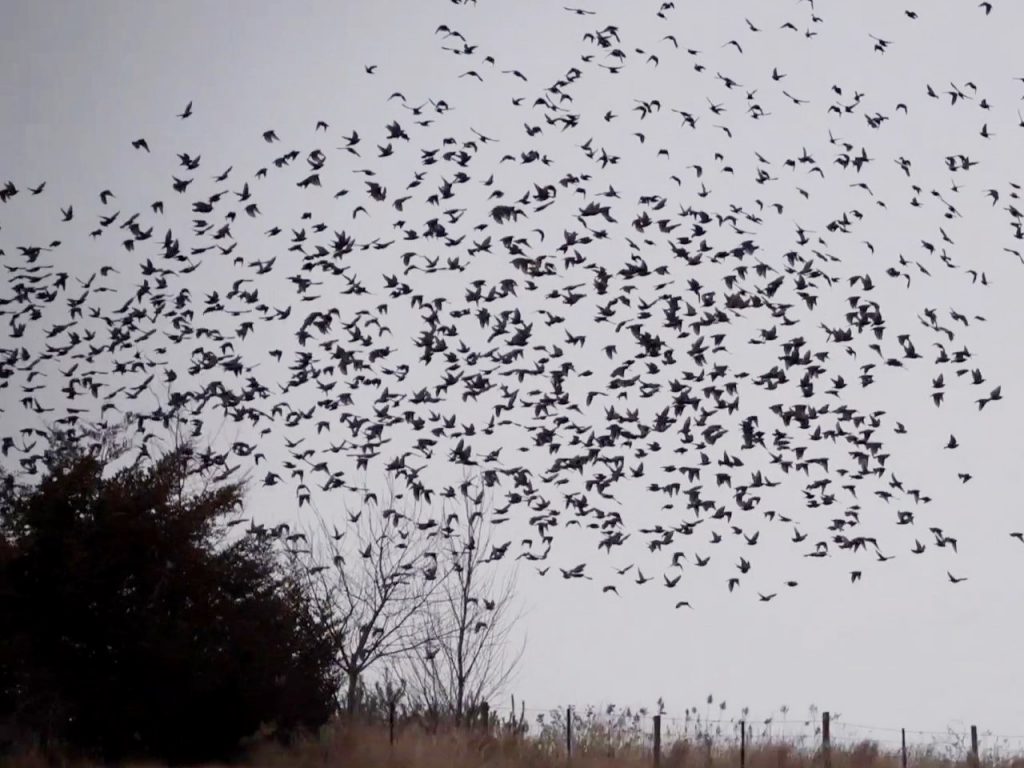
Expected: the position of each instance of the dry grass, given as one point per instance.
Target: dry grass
(368, 746)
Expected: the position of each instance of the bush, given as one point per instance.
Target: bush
(136, 625)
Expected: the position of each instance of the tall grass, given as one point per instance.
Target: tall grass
(603, 743)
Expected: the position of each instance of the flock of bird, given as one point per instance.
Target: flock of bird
(658, 370)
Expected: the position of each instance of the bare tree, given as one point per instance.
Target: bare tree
(373, 583)
(468, 655)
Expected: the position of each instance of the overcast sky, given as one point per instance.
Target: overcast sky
(902, 647)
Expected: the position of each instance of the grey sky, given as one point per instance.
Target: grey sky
(80, 81)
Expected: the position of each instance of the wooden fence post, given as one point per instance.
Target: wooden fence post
(974, 746)
(391, 722)
(743, 744)
(657, 741)
(903, 747)
(826, 740)
(485, 715)
(568, 733)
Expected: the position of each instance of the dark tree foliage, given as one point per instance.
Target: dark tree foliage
(136, 624)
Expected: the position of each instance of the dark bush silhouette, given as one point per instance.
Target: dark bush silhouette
(137, 623)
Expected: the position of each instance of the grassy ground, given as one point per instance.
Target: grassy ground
(368, 746)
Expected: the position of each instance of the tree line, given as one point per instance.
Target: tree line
(146, 616)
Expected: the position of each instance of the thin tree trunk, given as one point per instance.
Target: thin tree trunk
(353, 691)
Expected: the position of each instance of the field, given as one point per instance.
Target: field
(366, 745)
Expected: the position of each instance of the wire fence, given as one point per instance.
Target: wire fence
(731, 741)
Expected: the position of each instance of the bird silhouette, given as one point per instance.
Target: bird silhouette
(433, 294)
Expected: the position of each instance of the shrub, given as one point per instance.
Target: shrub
(136, 624)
